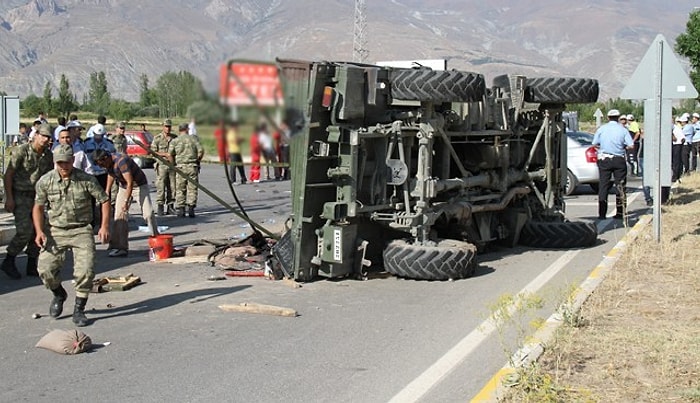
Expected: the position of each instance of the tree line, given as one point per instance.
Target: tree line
(175, 94)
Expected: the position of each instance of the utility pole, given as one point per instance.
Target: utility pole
(359, 42)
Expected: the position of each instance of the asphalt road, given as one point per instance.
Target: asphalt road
(354, 341)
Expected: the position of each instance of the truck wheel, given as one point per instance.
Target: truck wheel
(558, 234)
(449, 260)
(437, 85)
(561, 90)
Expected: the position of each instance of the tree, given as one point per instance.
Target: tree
(688, 45)
(32, 105)
(65, 104)
(177, 91)
(47, 101)
(147, 96)
(98, 95)
(122, 110)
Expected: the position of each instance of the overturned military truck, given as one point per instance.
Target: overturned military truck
(416, 170)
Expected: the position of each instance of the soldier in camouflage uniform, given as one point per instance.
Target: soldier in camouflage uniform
(64, 195)
(186, 153)
(119, 139)
(27, 164)
(165, 176)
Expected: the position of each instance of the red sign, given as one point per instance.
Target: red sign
(245, 81)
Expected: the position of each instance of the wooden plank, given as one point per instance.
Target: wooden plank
(249, 307)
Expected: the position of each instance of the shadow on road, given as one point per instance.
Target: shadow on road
(165, 301)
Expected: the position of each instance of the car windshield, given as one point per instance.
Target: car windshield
(583, 138)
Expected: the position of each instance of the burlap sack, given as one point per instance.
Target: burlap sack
(65, 341)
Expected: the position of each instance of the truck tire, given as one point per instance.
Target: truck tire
(558, 234)
(449, 260)
(428, 85)
(561, 90)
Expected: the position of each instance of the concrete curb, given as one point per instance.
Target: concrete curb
(494, 390)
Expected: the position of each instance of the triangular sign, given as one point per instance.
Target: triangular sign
(675, 83)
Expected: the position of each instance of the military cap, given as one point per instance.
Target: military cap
(44, 130)
(63, 153)
(74, 123)
(183, 126)
(168, 122)
(121, 125)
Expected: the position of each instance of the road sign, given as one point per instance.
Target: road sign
(250, 83)
(658, 79)
(598, 115)
(675, 83)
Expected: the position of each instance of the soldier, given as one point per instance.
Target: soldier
(27, 164)
(119, 139)
(186, 153)
(64, 194)
(165, 176)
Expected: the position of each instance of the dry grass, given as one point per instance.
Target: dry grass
(641, 338)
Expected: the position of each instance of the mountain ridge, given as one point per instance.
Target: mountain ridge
(42, 39)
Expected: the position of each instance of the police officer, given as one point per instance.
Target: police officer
(165, 176)
(64, 194)
(613, 140)
(27, 164)
(186, 153)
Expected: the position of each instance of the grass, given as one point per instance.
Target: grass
(639, 338)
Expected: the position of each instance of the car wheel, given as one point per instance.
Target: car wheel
(139, 162)
(571, 183)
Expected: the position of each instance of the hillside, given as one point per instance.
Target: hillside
(42, 39)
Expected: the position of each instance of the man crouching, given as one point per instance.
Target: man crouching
(64, 193)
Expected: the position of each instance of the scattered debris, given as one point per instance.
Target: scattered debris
(249, 307)
(36, 316)
(216, 278)
(115, 283)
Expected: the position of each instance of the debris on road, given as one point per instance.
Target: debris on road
(248, 307)
(115, 283)
(36, 316)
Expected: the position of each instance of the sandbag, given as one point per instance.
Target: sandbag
(65, 341)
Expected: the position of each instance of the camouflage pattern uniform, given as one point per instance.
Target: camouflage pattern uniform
(165, 176)
(69, 210)
(186, 152)
(28, 167)
(119, 141)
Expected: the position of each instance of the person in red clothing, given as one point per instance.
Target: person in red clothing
(255, 157)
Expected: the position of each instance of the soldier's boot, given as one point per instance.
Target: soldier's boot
(171, 209)
(161, 210)
(79, 317)
(8, 266)
(59, 297)
(32, 263)
(190, 211)
(180, 211)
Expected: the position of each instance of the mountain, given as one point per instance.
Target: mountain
(603, 39)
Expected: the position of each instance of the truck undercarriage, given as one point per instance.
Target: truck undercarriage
(416, 171)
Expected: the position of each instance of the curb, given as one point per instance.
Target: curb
(494, 390)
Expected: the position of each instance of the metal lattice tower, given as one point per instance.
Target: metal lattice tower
(359, 43)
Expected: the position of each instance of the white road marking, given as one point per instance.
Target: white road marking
(434, 374)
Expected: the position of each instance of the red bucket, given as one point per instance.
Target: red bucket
(161, 247)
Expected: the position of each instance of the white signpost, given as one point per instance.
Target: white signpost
(668, 80)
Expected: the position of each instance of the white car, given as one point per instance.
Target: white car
(582, 160)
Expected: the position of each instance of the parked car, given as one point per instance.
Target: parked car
(135, 151)
(582, 161)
